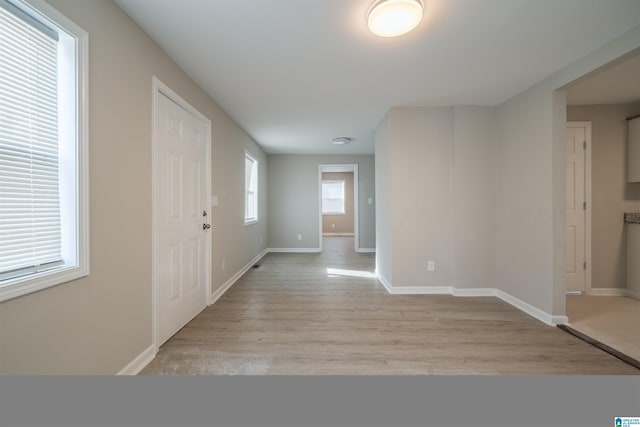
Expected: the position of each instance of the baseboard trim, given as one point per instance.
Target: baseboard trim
(609, 292)
(366, 250)
(420, 290)
(337, 234)
(532, 311)
(476, 292)
(233, 279)
(136, 365)
(385, 283)
(295, 250)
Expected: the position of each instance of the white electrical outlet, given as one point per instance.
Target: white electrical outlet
(333, 226)
(431, 265)
(370, 201)
(299, 236)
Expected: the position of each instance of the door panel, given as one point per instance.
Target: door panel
(181, 241)
(575, 255)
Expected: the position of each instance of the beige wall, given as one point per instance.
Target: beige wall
(294, 199)
(341, 223)
(611, 195)
(98, 324)
(435, 190)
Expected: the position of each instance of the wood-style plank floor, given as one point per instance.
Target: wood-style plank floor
(327, 314)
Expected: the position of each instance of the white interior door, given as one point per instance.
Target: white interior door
(575, 257)
(181, 240)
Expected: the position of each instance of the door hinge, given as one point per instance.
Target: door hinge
(584, 265)
(584, 206)
(584, 145)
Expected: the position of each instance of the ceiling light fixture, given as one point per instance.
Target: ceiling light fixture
(341, 140)
(392, 18)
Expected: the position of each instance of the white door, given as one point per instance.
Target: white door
(575, 257)
(181, 239)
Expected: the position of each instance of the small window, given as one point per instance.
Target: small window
(332, 197)
(250, 189)
(43, 168)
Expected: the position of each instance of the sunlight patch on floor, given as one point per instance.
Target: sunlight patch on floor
(338, 272)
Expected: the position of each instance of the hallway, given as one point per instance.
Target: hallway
(327, 314)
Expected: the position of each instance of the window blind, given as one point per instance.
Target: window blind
(30, 223)
(333, 196)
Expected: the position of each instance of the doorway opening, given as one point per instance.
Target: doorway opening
(338, 204)
(597, 111)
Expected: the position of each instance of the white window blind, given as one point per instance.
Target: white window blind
(30, 223)
(332, 197)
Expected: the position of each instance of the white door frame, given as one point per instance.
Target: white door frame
(587, 198)
(158, 89)
(356, 202)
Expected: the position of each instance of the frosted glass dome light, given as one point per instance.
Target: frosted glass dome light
(392, 18)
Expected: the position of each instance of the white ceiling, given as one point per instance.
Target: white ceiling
(295, 73)
(619, 84)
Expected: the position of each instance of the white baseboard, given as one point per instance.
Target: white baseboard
(532, 311)
(420, 290)
(476, 292)
(609, 292)
(295, 250)
(337, 234)
(233, 279)
(136, 365)
(366, 250)
(384, 282)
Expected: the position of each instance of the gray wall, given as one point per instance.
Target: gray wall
(435, 176)
(531, 182)
(294, 204)
(474, 196)
(384, 214)
(340, 223)
(611, 195)
(98, 324)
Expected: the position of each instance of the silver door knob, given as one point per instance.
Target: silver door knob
(206, 226)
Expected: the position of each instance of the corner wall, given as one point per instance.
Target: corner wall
(435, 188)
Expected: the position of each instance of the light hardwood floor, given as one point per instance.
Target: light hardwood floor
(326, 314)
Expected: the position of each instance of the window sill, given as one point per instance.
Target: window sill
(24, 285)
(333, 213)
(251, 222)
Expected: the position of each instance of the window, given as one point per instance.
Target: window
(43, 167)
(332, 197)
(250, 189)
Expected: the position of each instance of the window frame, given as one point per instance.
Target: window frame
(256, 171)
(322, 199)
(74, 54)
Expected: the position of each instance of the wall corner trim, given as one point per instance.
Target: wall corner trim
(233, 279)
(136, 365)
(532, 311)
